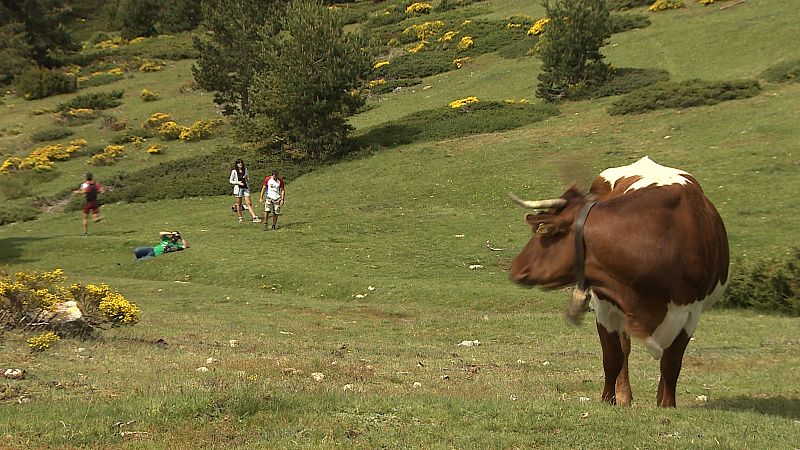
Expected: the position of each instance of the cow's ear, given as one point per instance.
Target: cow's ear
(541, 224)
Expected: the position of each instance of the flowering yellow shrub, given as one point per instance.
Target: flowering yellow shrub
(512, 26)
(110, 43)
(465, 43)
(148, 95)
(418, 8)
(118, 310)
(417, 48)
(377, 82)
(380, 64)
(447, 37)
(538, 27)
(136, 40)
(154, 149)
(170, 130)
(512, 101)
(156, 120)
(463, 102)
(459, 62)
(425, 30)
(202, 129)
(110, 155)
(151, 66)
(661, 5)
(41, 158)
(42, 341)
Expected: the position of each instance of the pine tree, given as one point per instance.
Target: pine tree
(230, 52)
(314, 70)
(137, 18)
(43, 23)
(570, 47)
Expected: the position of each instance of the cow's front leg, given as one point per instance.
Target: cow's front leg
(614, 359)
(623, 385)
(671, 362)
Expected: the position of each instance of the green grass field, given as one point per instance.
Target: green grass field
(408, 222)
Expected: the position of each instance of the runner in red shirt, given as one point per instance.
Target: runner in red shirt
(90, 188)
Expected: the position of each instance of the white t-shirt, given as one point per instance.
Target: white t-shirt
(273, 187)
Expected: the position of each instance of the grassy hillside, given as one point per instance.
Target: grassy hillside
(409, 222)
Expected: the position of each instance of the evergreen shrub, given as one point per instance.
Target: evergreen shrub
(769, 284)
(39, 82)
(628, 21)
(95, 100)
(623, 81)
(51, 134)
(783, 71)
(685, 94)
(447, 123)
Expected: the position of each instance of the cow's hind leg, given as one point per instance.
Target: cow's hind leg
(671, 362)
(615, 366)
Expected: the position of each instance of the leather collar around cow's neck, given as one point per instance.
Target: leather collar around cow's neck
(580, 246)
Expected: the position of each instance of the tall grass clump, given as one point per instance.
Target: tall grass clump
(683, 95)
(768, 284)
(51, 134)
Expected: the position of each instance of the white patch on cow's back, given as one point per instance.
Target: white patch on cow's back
(679, 317)
(651, 173)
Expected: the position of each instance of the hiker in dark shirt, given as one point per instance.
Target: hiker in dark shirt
(90, 188)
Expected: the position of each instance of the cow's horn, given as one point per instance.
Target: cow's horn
(539, 204)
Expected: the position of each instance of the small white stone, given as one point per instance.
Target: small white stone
(584, 415)
(513, 397)
(583, 399)
(233, 343)
(318, 376)
(211, 360)
(203, 369)
(701, 398)
(474, 343)
(347, 387)
(546, 363)
(370, 288)
(360, 295)
(475, 266)
(417, 384)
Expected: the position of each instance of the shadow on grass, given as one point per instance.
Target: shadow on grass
(774, 406)
(11, 249)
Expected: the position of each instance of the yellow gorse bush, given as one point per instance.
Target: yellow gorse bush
(661, 5)
(42, 341)
(538, 27)
(170, 130)
(417, 48)
(42, 158)
(463, 102)
(110, 155)
(151, 66)
(377, 82)
(380, 64)
(447, 37)
(425, 30)
(459, 62)
(156, 120)
(148, 95)
(154, 149)
(202, 129)
(418, 8)
(465, 43)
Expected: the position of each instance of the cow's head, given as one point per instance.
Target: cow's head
(548, 260)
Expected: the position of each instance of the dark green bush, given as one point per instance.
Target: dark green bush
(628, 21)
(179, 15)
(628, 4)
(198, 176)
(51, 134)
(683, 95)
(391, 85)
(38, 83)
(783, 71)
(95, 100)
(17, 211)
(446, 123)
(447, 5)
(137, 18)
(623, 80)
(131, 136)
(99, 80)
(769, 284)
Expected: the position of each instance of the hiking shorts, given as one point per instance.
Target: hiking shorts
(92, 206)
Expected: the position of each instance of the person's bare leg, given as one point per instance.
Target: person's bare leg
(239, 207)
(250, 207)
(85, 223)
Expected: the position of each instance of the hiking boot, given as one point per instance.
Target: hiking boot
(241, 220)
(273, 226)
(256, 220)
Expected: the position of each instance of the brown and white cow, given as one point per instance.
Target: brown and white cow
(649, 252)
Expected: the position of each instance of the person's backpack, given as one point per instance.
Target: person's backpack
(91, 192)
